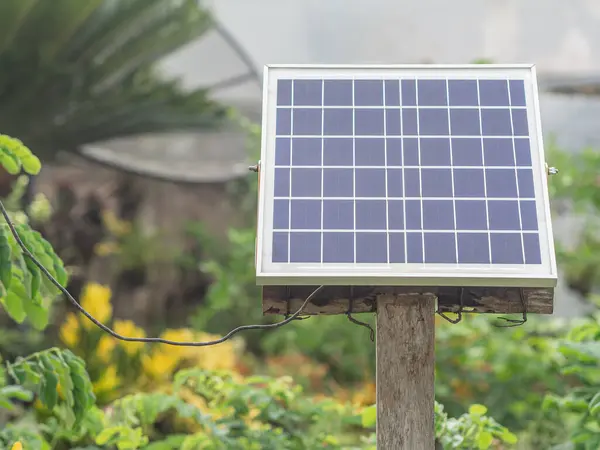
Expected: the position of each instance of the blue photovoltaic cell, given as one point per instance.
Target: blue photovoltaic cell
(404, 171)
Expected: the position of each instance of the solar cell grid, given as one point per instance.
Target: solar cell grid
(403, 171)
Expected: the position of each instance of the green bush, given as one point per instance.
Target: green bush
(577, 412)
(473, 430)
(205, 410)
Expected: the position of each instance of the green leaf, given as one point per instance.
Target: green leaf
(369, 416)
(9, 161)
(124, 437)
(31, 164)
(484, 440)
(588, 349)
(83, 393)
(6, 404)
(35, 278)
(107, 435)
(172, 442)
(5, 257)
(594, 405)
(64, 378)
(509, 437)
(37, 314)
(477, 410)
(582, 436)
(24, 373)
(49, 385)
(16, 392)
(45, 253)
(14, 307)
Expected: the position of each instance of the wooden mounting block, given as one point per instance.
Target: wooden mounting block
(336, 299)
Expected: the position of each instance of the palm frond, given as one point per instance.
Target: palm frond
(75, 72)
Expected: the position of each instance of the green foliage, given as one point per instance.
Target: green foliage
(580, 406)
(38, 211)
(231, 298)
(576, 191)
(264, 413)
(25, 292)
(59, 380)
(205, 410)
(101, 56)
(471, 431)
(14, 156)
(332, 340)
(507, 369)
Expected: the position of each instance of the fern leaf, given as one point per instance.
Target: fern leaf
(60, 378)
(49, 386)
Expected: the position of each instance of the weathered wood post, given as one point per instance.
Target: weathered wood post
(405, 371)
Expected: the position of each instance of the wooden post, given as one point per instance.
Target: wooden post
(405, 372)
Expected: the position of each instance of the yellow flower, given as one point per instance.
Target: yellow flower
(108, 381)
(96, 299)
(17, 446)
(106, 345)
(69, 331)
(221, 357)
(160, 364)
(218, 357)
(129, 329)
(164, 360)
(181, 335)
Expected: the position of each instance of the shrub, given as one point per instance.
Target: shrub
(116, 366)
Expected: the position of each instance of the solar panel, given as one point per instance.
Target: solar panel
(403, 175)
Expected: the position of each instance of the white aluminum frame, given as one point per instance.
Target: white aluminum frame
(269, 273)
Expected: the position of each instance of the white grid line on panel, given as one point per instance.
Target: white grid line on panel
(487, 211)
(493, 199)
(387, 205)
(354, 170)
(512, 129)
(452, 172)
(322, 165)
(289, 238)
(407, 167)
(381, 136)
(383, 230)
(396, 107)
(403, 173)
(420, 173)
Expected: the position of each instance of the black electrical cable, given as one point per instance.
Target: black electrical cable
(149, 340)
